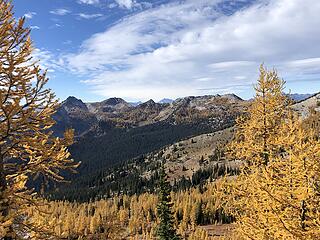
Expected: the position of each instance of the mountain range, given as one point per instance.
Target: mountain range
(120, 145)
(117, 113)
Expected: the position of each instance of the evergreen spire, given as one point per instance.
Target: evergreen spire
(166, 229)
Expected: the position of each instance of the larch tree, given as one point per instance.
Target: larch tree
(27, 147)
(166, 230)
(254, 141)
(291, 182)
(255, 144)
(284, 200)
(275, 195)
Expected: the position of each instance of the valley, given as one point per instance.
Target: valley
(122, 155)
(114, 135)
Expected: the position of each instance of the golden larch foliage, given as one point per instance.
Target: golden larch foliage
(27, 147)
(276, 193)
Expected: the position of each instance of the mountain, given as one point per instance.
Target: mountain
(231, 97)
(305, 106)
(99, 117)
(121, 146)
(116, 132)
(73, 113)
(166, 100)
(299, 97)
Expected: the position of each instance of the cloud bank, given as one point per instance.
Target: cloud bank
(192, 48)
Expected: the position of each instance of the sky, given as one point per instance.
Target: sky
(154, 49)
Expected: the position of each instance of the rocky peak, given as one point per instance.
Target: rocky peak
(148, 104)
(113, 101)
(303, 107)
(73, 103)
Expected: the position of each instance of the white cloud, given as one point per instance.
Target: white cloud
(112, 5)
(89, 16)
(188, 49)
(309, 62)
(231, 64)
(60, 11)
(35, 27)
(90, 2)
(29, 15)
(47, 60)
(131, 4)
(125, 3)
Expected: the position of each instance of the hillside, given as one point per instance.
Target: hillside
(185, 158)
(305, 106)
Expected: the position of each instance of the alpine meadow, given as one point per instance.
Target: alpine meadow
(195, 120)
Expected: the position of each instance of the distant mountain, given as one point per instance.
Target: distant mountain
(109, 108)
(73, 113)
(299, 97)
(166, 100)
(99, 117)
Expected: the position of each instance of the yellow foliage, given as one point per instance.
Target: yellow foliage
(126, 217)
(276, 195)
(27, 147)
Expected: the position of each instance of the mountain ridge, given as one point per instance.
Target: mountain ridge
(84, 117)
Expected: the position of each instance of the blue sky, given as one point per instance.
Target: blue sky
(137, 50)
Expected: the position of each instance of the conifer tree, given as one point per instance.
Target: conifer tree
(275, 195)
(291, 183)
(255, 144)
(27, 147)
(166, 230)
(254, 141)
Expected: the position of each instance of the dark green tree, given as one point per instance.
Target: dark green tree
(166, 230)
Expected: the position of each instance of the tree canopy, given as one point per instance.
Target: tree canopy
(27, 148)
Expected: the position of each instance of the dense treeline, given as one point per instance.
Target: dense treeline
(133, 217)
(128, 179)
(123, 144)
(114, 150)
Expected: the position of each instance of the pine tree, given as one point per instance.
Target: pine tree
(27, 147)
(166, 230)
